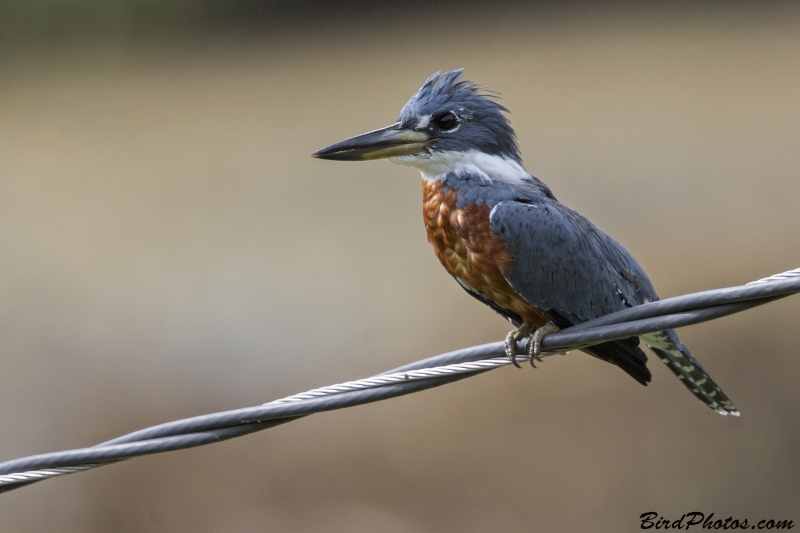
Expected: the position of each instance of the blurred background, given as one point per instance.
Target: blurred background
(168, 248)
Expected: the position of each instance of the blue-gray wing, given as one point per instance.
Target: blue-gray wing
(574, 272)
(565, 265)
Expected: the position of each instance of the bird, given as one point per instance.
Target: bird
(506, 239)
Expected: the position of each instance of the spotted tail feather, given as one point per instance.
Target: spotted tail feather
(678, 359)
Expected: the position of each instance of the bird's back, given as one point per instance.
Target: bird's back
(502, 234)
(457, 214)
(514, 247)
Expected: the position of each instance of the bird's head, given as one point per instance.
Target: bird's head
(448, 118)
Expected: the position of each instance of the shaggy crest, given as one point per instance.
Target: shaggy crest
(484, 125)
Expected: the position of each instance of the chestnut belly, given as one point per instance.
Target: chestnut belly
(465, 245)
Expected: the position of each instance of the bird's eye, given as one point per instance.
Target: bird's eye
(446, 121)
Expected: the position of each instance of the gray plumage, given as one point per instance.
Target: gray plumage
(564, 265)
(574, 272)
(483, 127)
(459, 137)
(556, 269)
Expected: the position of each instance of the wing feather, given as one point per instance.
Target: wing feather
(564, 264)
(573, 272)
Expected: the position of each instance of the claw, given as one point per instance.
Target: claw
(535, 344)
(511, 341)
(511, 348)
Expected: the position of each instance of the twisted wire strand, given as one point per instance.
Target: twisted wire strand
(417, 376)
(400, 377)
(36, 475)
(789, 274)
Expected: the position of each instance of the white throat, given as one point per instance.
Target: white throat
(436, 165)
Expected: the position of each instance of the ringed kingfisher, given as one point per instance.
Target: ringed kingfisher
(503, 236)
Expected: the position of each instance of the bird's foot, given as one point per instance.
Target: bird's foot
(511, 341)
(535, 343)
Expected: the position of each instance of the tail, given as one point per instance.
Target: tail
(626, 354)
(678, 359)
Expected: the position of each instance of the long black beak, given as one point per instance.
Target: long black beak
(391, 141)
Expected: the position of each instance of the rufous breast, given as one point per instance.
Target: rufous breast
(465, 245)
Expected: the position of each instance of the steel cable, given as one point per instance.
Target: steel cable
(420, 375)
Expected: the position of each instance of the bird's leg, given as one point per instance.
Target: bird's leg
(511, 341)
(535, 344)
